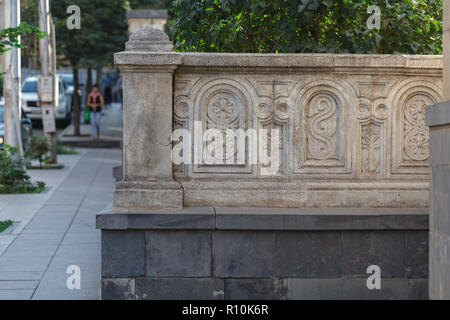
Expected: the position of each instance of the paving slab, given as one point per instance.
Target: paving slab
(58, 230)
(110, 131)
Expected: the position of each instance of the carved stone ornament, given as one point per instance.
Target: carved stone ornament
(149, 39)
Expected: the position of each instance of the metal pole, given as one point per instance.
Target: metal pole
(44, 43)
(12, 82)
(55, 96)
(46, 64)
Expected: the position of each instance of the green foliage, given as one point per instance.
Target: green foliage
(338, 26)
(30, 14)
(13, 177)
(62, 149)
(39, 146)
(5, 224)
(149, 4)
(103, 31)
(9, 37)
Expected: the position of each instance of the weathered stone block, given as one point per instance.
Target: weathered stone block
(123, 253)
(255, 289)
(148, 195)
(439, 261)
(417, 254)
(118, 289)
(437, 114)
(439, 140)
(441, 197)
(385, 249)
(186, 218)
(243, 254)
(340, 218)
(179, 289)
(418, 289)
(355, 288)
(438, 119)
(178, 253)
(309, 254)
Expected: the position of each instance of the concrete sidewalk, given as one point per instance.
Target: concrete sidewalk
(110, 130)
(61, 233)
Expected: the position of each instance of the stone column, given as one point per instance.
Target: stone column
(438, 119)
(446, 44)
(147, 65)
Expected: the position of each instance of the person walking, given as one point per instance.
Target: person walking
(95, 104)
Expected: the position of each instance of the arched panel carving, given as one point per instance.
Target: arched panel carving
(415, 135)
(322, 135)
(410, 136)
(222, 105)
(322, 122)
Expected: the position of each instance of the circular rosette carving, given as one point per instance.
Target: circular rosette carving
(222, 110)
(181, 111)
(363, 110)
(416, 136)
(222, 141)
(223, 115)
(367, 108)
(415, 109)
(264, 111)
(381, 111)
(282, 112)
(417, 144)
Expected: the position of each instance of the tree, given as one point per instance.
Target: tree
(338, 26)
(103, 32)
(149, 4)
(9, 37)
(29, 13)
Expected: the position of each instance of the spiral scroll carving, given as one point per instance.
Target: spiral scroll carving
(322, 121)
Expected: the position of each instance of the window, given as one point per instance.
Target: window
(30, 86)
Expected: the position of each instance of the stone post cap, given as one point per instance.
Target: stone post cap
(149, 39)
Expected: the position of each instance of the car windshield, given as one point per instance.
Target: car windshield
(30, 86)
(1, 112)
(69, 80)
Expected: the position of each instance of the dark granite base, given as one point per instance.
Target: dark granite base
(251, 253)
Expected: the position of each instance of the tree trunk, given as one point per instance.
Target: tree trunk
(76, 103)
(99, 75)
(88, 83)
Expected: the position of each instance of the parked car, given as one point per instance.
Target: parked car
(26, 128)
(30, 106)
(68, 79)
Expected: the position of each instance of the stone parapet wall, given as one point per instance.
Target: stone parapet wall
(332, 134)
(350, 129)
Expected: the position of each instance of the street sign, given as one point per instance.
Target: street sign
(45, 89)
(48, 119)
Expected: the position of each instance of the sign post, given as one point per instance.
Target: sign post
(46, 88)
(47, 82)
